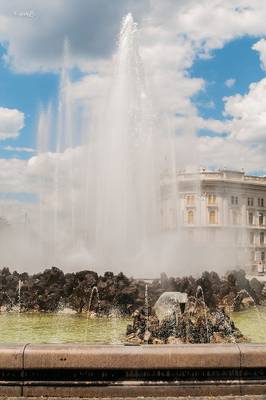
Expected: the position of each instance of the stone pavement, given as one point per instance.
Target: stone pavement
(259, 397)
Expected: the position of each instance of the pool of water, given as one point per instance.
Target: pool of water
(252, 323)
(60, 328)
(68, 328)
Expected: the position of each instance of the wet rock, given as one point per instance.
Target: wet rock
(53, 290)
(256, 286)
(198, 324)
(173, 340)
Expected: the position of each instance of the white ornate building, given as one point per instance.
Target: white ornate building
(226, 208)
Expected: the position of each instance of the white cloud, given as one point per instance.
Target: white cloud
(217, 152)
(11, 122)
(211, 24)
(13, 175)
(230, 82)
(248, 113)
(173, 34)
(19, 149)
(260, 46)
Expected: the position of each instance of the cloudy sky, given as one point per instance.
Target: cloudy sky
(206, 62)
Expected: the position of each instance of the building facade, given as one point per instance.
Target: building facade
(226, 208)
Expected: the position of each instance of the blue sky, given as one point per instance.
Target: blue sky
(28, 91)
(32, 40)
(205, 61)
(25, 92)
(236, 60)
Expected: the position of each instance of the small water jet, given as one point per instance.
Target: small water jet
(96, 291)
(115, 316)
(19, 295)
(238, 300)
(241, 295)
(200, 295)
(146, 302)
(196, 324)
(10, 305)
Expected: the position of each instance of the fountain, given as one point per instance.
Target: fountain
(11, 302)
(19, 295)
(128, 163)
(196, 324)
(93, 290)
(101, 203)
(115, 316)
(170, 302)
(146, 302)
(200, 295)
(241, 295)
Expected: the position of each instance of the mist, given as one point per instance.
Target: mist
(104, 174)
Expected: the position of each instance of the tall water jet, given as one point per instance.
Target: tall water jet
(104, 193)
(43, 140)
(128, 163)
(64, 141)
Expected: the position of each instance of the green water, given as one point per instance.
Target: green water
(252, 323)
(67, 328)
(60, 328)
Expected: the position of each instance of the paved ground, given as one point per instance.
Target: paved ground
(263, 397)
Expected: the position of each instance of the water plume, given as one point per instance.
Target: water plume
(107, 190)
(128, 161)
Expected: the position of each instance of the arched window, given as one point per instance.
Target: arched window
(190, 217)
(212, 217)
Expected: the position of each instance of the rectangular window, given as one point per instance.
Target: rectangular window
(250, 218)
(212, 217)
(250, 201)
(261, 238)
(260, 202)
(211, 199)
(190, 199)
(234, 200)
(260, 219)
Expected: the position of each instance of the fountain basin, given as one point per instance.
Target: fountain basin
(117, 370)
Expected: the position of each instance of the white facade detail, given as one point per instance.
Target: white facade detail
(220, 207)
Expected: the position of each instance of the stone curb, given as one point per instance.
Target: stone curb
(171, 370)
